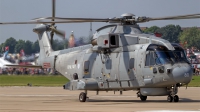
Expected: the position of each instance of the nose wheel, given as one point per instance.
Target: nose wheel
(174, 98)
(169, 98)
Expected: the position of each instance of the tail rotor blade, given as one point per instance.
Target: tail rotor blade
(58, 32)
(53, 11)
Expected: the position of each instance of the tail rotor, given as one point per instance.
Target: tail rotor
(60, 33)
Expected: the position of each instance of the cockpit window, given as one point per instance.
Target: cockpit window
(150, 60)
(164, 57)
(160, 55)
(180, 55)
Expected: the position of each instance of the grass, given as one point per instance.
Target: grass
(59, 80)
(195, 82)
(34, 80)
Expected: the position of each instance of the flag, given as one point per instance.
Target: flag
(6, 48)
(22, 52)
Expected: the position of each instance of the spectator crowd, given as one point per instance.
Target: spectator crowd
(27, 71)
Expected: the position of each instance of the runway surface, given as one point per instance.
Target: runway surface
(56, 99)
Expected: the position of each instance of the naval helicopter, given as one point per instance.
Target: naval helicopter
(120, 57)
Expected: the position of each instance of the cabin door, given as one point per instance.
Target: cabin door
(88, 64)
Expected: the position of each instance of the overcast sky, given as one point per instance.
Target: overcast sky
(25, 10)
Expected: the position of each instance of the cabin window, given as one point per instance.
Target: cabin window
(114, 40)
(150, 60)
(131, 63)
(86, 66)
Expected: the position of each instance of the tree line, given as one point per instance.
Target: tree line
(33, 47)
(189, 37)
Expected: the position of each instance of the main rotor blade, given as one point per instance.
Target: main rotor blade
(80, 19)
(190, 16)
(112, 20)
(46, 22)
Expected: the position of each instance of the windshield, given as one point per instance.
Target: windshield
(159, 55)
(164, 57)
(181, 57)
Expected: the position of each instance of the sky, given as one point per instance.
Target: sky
(25, 10)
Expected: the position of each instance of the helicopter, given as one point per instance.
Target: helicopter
(120, 57)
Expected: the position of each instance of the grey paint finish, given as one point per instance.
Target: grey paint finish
(105, 67)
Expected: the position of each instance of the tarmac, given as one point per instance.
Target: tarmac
(56, 99)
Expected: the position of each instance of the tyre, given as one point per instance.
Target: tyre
(82, 97)
(176, 98)
(143, 98)
(169, 98)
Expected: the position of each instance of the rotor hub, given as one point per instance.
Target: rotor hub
(128, 15)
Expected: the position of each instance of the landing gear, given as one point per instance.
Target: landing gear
(173, 96)
(169, 98)
(143, 98)
(176, 98)
(82, 97)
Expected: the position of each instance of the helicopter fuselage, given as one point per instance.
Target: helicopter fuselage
(118, 62)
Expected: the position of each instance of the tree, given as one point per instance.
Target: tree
(20, 45)
(11, 42)
(84, 40)
(35, 47)
(28, 47)
(2, 48)
(66, 41)
(170, 33)
(152, 29)
(190, 37)
(58, 45)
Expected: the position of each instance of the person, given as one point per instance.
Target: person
(0, 70)
(197, 71)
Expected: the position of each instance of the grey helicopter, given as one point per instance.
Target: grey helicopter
(120, 57)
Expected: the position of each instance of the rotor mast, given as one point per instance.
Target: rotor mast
(53, 15)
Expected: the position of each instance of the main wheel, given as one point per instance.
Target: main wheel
(176, 98)
(143, 98)
(169, 98)
(82, 97)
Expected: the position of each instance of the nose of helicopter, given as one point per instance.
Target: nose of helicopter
(182, 74)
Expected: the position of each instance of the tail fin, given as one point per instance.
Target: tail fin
(44, 43)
